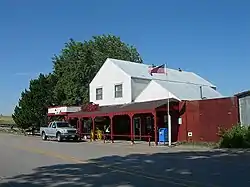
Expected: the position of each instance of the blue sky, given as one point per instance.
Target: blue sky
(209, 37)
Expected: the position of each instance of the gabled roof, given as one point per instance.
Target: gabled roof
(137, 70)
(184, 91)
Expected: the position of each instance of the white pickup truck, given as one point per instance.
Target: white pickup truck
(59, 130)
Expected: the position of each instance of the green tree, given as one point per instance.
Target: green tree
(73, 70)
(78, 63)
(23, 112)
(33, 104)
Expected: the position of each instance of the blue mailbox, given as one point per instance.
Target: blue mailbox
(163, 135)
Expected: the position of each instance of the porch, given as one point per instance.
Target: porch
(134, 122)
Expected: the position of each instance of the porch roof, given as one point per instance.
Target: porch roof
(140, 107)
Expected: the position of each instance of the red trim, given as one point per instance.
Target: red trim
(91, 115)
(60, 114)
(181, 105)
(171, 108)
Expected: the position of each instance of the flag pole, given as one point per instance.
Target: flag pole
(169, 117)
(169, 124)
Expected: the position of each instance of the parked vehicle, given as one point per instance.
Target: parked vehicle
(59, 130)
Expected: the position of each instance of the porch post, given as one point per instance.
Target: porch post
(93, 127)
(66, 118)
(111, 129)
(80, 127)
(155, 128)
(69, 120)
(131, 128)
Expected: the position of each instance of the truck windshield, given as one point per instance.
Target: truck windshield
(63, 124)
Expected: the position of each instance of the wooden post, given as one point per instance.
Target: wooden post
(104, 137)
(80, 127)
(155, 128)
(131, 128)
(111, 129)
(149, 144)
(93, 127)
(69, 120)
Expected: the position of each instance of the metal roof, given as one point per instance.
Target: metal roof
(138, 70)
(185, 91)
(243, 94)
(131, 107)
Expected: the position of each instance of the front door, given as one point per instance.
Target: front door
(53, 129)
(48, 131)
(137, 128)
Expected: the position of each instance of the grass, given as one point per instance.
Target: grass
(6, 124)
(6, 120)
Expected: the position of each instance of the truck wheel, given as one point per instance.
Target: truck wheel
(44, 137)
(59, 137)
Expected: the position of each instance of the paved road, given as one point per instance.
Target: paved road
(30, 162)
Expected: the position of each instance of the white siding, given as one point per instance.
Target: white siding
(154, 91)
(137, 86)
(106, 78)
(244, 108)
(140, 86)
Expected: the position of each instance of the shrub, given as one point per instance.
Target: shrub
(236, 137)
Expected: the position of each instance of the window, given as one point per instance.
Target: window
(149, 123)
(53, 125)
(118, 90)
(98, 94)
(63, 124)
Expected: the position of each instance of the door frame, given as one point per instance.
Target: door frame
(139, 127)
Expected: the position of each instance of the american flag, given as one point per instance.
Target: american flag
(158, 69)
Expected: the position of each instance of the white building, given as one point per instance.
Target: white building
(121, 82)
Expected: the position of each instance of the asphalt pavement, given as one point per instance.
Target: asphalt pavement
(31, 162)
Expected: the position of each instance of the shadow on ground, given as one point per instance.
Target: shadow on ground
(214, 168)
